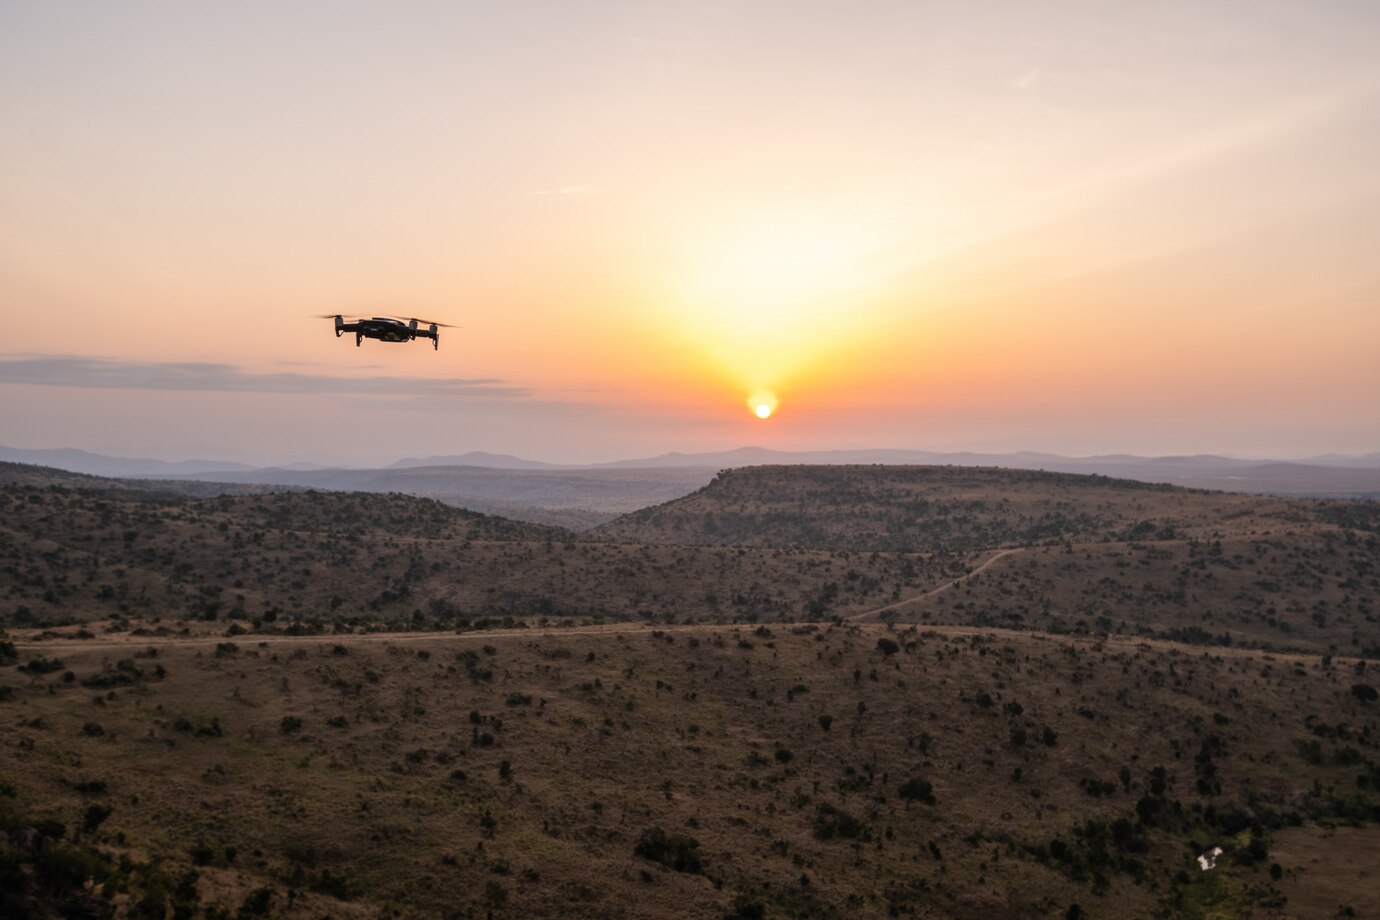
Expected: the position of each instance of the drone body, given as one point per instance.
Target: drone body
(387, 329)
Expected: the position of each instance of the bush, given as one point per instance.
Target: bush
(93, 818)
(674, 851)
(887, 646)
(745, 908)
(256, 903)
(41, 665)
(916, 789)
(831, 822)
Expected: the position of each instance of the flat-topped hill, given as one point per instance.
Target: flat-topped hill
(929, 508)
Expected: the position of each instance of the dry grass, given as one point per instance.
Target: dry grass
(1084, 758)
(609, 733)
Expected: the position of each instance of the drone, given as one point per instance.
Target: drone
(387, 329)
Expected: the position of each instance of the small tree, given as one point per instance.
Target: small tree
(674, 851)
(916, 789)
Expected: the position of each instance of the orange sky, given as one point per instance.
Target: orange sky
(1052, 226)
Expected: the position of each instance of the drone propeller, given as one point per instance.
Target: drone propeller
(425, 322)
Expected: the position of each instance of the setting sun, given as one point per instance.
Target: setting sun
(763, 403)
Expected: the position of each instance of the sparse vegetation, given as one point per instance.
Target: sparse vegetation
(352, 758)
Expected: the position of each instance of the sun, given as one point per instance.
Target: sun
(762, 403)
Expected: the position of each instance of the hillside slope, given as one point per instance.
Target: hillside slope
(698, 772)
(931, 508)
(337, 560)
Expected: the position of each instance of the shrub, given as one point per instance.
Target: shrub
(41, 665)
(94, 816)
(916, 789)
(674, 851)
(256, 903)
(831, 822)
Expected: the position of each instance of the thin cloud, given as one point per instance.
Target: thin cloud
(111, 374)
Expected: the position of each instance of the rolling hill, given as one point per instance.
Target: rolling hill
(798, 692)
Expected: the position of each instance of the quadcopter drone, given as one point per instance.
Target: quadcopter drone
(387, 329)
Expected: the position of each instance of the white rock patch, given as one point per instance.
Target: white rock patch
(1209, 859)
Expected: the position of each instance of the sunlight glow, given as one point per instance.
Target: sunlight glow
(763, 403)
(768, 296)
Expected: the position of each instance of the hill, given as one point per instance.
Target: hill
(1091, 554)
(580, 498)
(929, 508)
(878, 691)
(81, 461)
(690, 772)
(337, 560)
(27, 474)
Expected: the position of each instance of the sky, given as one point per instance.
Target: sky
(1076, 227)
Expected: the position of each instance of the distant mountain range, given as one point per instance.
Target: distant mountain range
(81, 461)
(581, 496)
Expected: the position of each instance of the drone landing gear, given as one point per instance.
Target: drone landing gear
(436, 343)
(358, 339)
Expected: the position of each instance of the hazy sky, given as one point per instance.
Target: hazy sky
(1081, 227)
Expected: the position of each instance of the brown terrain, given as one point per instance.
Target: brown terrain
(798, 692)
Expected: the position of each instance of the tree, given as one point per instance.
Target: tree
(674, 851)
(916, 789)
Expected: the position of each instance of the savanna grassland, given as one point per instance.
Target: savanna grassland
(998, 695)
(354, 560)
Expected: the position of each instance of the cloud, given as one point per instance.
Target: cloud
(112, 374)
